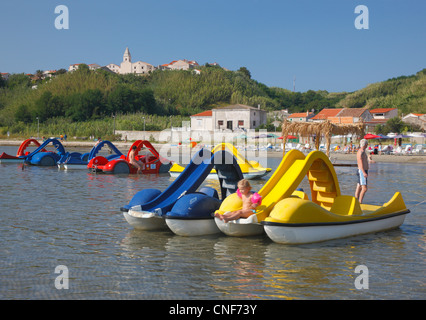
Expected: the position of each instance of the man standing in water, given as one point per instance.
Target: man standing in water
(132, 159)
(362, 161)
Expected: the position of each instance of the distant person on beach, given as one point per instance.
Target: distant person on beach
(132, 159)
(362, 162)
(98, 141)
(370, 158)
(250, 202)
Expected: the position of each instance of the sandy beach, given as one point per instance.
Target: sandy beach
(334, 156)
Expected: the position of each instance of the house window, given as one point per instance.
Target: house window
(220, 123)
(229, 124)
(241, 123)
(254, 123)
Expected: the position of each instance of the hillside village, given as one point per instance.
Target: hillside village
(140, 67)
(125, 67)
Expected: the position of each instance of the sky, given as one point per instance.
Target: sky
(292, 44)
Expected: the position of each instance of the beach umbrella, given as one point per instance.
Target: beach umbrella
(382, 136)
(400, 136)
(371, 136)
(418, 135)
(241, 136)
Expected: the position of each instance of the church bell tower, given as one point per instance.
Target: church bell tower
(126, 56)
(126, 65)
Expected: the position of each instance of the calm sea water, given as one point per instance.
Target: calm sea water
(51, 218)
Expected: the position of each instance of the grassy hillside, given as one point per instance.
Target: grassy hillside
(85, 100)
(407, 93)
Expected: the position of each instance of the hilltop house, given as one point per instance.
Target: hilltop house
(229, 118)
(325, 113)
(180, 65)
(384, 113)
(5, 75)
(381, 116)
(300, 117)
(138, 67)
(416, 118)
(351, 115)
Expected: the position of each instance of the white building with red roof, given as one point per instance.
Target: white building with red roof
(229, 118)
(180, 65)
(416, 118)
(325, 113)
(300, 116)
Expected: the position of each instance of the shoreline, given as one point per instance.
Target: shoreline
(334, 156)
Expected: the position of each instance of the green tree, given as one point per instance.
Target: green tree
(394, 125)
(245, 71)
(18, 80)
(87, 105)
(48, 106)
(23, 114)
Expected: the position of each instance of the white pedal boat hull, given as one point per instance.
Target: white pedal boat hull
(192, 227)
(240, 227)
(299, 234)
(143, 220)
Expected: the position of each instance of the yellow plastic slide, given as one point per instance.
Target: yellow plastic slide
(287, 177)
(250, 168)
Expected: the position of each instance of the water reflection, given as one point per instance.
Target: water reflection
(50, 217)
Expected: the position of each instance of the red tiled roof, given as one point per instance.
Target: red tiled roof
(325, 113)
(381, 110)
(300, 115)
(352, 112)
(207, 113)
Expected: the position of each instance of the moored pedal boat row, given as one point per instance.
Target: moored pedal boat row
(286, 214)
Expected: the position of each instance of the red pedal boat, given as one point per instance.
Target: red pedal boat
(151, 161)
(21, 154)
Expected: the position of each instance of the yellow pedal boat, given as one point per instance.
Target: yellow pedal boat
(288, 216)
(295, 220)
(250, 169)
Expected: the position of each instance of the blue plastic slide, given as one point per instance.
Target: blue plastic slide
(189, 180)
(117, 153)
(83, 159)
(46, 158)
